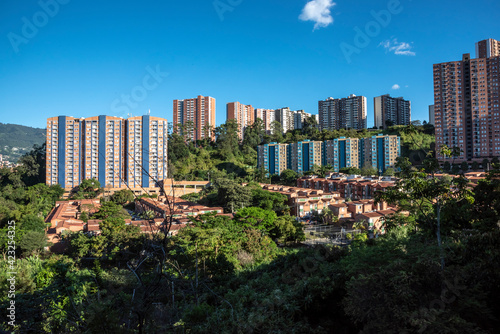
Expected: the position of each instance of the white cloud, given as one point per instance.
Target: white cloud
(400, 49)
(318, 11)
(396, 87)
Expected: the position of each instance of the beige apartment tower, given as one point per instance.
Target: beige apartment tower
(267, 116)
(243, 114)
(196, 116)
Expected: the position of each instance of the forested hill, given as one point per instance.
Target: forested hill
(15, 140)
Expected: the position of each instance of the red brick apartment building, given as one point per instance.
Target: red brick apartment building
(467, 105)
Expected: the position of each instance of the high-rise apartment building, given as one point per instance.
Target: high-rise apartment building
(286, 118)
(291, 119)
(344, 113)
(147, 147)
(342, 152)
(243, 114)
(299, 117)
(272, 157)
(466, 104)
(267, 116)
(197, 116)
(64, 163)
(380, 152)
(302, 156)
(391, 110)
(103, 150)
(488, 48)
(112, 150)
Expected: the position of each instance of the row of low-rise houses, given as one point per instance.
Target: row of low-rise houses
(303, 202)
(379, 152)
(349, 186)
(67, 216)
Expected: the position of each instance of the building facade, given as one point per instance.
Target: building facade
(273, 157)
(64, 160)
(391, 110)
(488, 48)
(243, 114)
(344, 113)
(112, 150)
(290, 119)
(196, 116)
(147, 147)
(379, 152)
(302, 156)
(466, 104)
(342, 152)
(103, 152)
(267, 116)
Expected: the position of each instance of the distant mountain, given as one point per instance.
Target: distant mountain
(15, 140)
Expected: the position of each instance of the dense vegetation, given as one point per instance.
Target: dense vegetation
(20, 137)
(205, 160)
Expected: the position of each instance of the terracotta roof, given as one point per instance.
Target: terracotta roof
(371, 214)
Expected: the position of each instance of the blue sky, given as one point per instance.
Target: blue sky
(80, 58)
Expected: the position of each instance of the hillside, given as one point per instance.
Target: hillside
(15, 140)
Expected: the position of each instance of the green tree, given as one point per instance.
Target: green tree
(33, 222)
(485, 164)
(310, 128)
(32, 166)
(110, 209)
(276, 132)
(289, 177)
(32, 241)
(350, 170)
(232, 195)
(254, 134)
(446, 167)
(88, 188)
(464, 166)
(269, 200)
(404, 165)
(286, 228)
(123, 196)
(389, 172)
(368, 170)
(256, 218)
(425, 198)
(227, 139)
